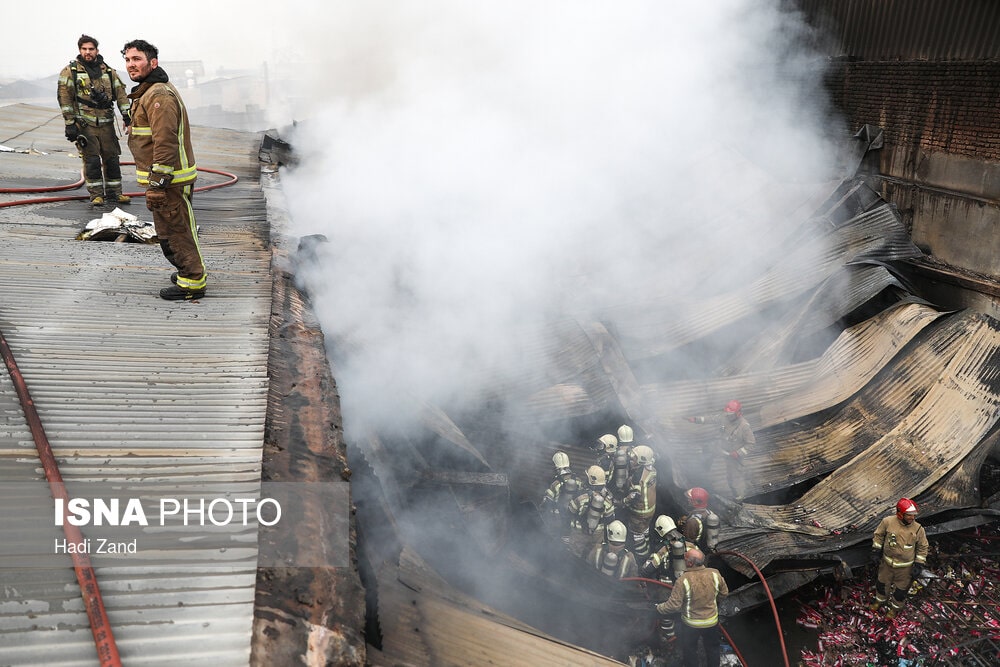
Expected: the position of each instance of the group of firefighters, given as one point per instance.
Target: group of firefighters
(607, 519)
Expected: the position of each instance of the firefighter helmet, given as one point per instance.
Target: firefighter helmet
(617, 532)
(663, 525)
(697, 497)
(734, 407)
(644, 455)
(905, 506)
(607, 443)
(596, 476)
(624, 433)
(560, 460)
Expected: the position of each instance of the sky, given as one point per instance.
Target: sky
(481, 169)
(40, 37)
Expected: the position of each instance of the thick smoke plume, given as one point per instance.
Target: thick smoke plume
(482, 168)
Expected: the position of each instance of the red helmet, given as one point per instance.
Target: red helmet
(734, 406)
(697, 497)
(905, 506)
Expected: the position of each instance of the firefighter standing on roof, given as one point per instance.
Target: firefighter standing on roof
(160, 142)
(899, 544)
(88, 91)
(735, 442)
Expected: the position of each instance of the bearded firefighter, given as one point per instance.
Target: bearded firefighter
(88, 91)
(899, 544)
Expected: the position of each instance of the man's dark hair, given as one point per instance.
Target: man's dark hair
(144, 46)
(84, 39)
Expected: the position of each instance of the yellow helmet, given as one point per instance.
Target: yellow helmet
(596, 476)
(644, 455)
(608, 442)
(624, 433)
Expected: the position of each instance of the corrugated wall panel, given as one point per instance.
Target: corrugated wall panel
(907, 29)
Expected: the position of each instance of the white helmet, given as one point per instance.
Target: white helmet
(624, 433)
(617, 532)
(644, 455)
(560, 460)
(664, 524)
(596, 476)
(608, 442)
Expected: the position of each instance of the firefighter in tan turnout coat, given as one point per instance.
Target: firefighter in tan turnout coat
(695, 596)
(160, 142)
(899, 544)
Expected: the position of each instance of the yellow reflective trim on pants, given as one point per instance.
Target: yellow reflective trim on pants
(896, 563)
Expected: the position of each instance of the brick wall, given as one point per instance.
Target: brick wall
(946, 106)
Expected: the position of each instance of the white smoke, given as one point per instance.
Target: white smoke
(482, 166)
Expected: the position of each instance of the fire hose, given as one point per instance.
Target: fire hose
(770, 599)
(100, 626)
(722, 629)
(233, 178)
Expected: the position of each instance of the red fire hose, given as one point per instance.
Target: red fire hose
(107, 649)
(233, 178)
(100, 626)
(770, 598)
(725, 633)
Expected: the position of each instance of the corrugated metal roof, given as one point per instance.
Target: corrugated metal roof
(428, 623)
(131, 387)
(906, 29)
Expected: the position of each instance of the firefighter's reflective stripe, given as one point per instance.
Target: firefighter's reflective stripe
(699, 622)
(892, 562)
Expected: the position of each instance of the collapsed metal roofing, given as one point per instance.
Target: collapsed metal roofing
(859, 390)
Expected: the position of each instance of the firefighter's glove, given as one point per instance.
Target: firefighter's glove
(156, 198)
(72, 132)
(126, 119)
(735, 454)
(159, 177)
(876, 555)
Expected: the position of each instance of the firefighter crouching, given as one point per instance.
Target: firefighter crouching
(899, 544)
(695, 596)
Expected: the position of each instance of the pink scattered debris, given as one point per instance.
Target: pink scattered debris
(952, 614)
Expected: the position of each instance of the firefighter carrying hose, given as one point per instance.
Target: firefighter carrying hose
(899, 544)
(88, 92)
